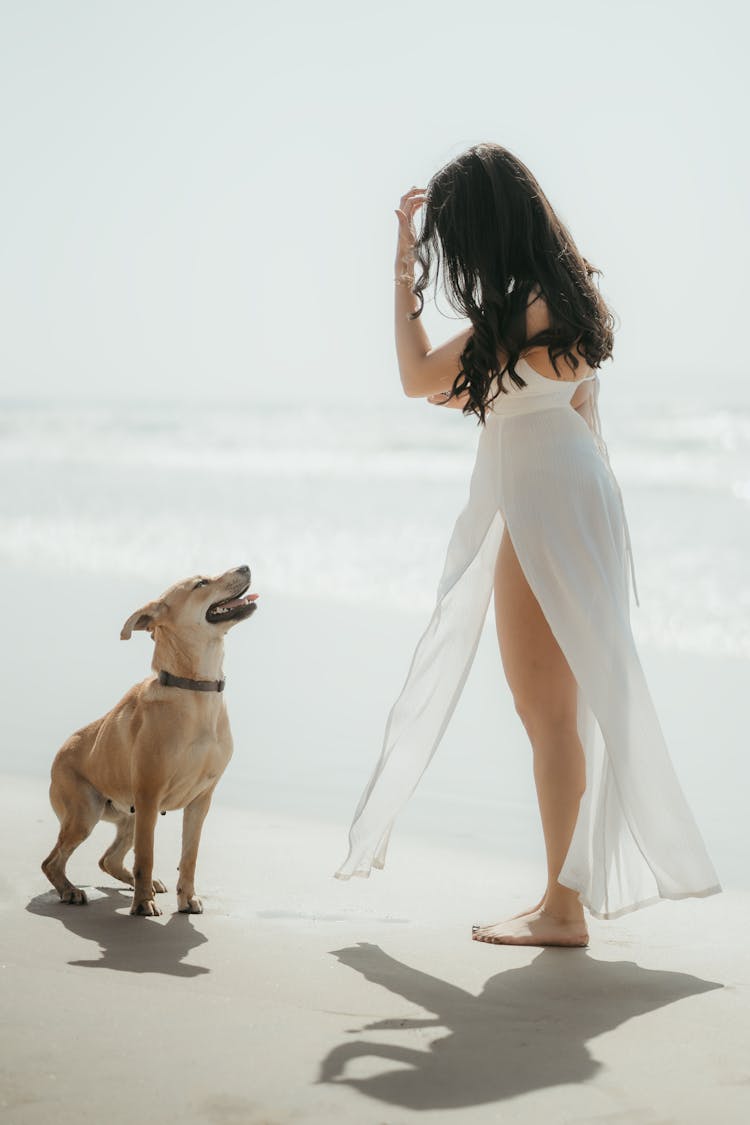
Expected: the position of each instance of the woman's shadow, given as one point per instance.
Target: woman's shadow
(129, 945)
(526, 1030)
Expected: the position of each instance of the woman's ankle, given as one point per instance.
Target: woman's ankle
(563, 906)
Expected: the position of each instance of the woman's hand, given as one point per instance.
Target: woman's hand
(407, 235)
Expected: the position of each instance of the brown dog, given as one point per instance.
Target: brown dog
(163, 746)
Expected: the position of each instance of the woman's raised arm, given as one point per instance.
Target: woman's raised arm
(424, 370)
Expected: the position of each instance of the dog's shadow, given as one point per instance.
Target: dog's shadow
(127, 945)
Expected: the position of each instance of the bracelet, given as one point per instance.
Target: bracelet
(404, 279)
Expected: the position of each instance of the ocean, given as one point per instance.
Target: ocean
(356, 504)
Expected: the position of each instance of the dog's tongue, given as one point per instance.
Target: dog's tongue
(236, 602)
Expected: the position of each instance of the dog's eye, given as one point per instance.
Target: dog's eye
(201, 582)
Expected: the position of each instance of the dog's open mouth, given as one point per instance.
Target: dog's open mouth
(232, 609)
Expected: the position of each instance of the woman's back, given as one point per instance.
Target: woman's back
(538, 320)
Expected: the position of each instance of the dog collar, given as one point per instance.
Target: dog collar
(168, 680)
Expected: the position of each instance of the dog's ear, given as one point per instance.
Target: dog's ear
(144, 618)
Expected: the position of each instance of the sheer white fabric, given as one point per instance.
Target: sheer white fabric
(543, 471)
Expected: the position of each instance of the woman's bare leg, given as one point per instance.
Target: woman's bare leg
(545, 694)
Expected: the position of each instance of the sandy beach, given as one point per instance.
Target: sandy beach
(298, 998)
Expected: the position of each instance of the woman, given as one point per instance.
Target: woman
(545, 526)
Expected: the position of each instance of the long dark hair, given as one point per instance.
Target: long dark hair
(490, 226)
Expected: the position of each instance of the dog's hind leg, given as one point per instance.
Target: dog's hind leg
(113, 860)
(78, 806)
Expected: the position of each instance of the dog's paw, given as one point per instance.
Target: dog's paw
(159, 888)
(146, 907)
(191, 905)
(74, 896)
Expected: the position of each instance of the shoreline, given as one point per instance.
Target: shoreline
(309, 688)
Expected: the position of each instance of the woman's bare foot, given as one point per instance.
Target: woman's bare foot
(536, 928)
(529, 910)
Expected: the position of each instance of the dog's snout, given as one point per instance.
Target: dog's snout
(244, 570)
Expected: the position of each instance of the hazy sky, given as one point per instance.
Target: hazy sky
(198, 197)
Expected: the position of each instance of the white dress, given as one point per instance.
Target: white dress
(543, 471)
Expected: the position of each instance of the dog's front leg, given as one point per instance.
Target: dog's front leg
(192, 823)
(146, 812)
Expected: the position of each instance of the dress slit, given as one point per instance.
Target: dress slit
(635, 840)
